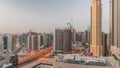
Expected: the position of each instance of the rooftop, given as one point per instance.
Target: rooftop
(53, 63)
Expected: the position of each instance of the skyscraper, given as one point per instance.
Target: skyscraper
(39, 40)
(115, 27)
(48, 39)
(30, 42)
(63, 40)
(67, 41)
(5, 42)
(58, 40)
(9, 43)
(86, 35)
(30, 39)
(45, 42)
(34, 42)
(96, 15)
(105, 44)
(14, 37)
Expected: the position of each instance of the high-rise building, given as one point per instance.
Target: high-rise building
(115, 27)
(45, 40)
(67, 41)
(96, 19)
(77, 37)
(58, 40)
(73, 35)
(48, 39)
(9, 43)
(5, 42)
(14, 37)
(30, 42)
(34, 42)
(17, 39)
(40, 40)
(63, 40)
(23, 38)
(87, 36)
(29, 39)
(1, 45)
(105, 44)
(83, 38)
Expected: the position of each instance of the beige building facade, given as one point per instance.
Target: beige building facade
(115, 27)
(96, 29)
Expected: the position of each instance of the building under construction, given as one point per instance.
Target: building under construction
(67, 40)
(63, 40)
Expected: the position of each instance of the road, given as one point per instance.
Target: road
(34, 58)
(33, 62)
(34, 54)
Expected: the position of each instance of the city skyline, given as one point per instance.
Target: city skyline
(45, 16)
(59, 33)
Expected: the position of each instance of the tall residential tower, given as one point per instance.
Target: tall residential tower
(96, 31)
(115, 27)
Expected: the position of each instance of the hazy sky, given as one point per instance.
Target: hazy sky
(45, 15)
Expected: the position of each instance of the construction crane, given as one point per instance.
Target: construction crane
(11, 58)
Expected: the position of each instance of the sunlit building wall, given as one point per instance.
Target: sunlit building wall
(115, 27)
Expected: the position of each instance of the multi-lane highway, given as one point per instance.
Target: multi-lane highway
(33, 62)
(30, 61)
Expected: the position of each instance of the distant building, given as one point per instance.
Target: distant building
(73, 36)
(105, 44)
(34, 42)
(23, 38)
(48, 39)
(87, 36)
(5, 40)
(14, 40)
(9, 43)
(82, 35)
(1, 45)
(40, 40)
(18, 39)
(30, 42)
(45, 42)
(78, 37)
